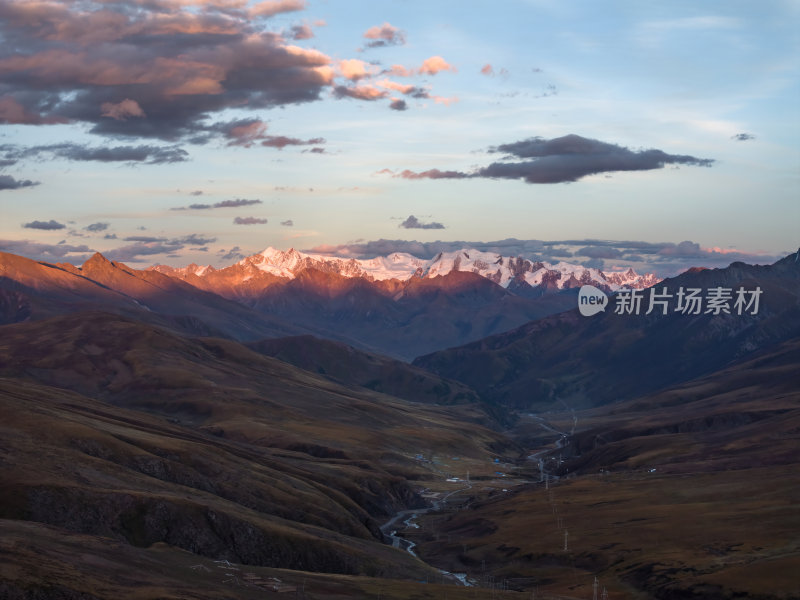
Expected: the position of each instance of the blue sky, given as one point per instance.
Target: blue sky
(657, 135)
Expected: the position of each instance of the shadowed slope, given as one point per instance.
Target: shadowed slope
(600, 359)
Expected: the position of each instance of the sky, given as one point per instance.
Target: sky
(654, 135)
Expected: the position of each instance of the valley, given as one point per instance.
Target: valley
(152, 446)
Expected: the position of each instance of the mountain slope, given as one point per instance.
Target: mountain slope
(31, 290)
(117, 429)
(595, 360)
(352, 367)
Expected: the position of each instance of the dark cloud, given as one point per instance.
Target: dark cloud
(47, 252)
(237, 202)
(68, 151)
(398, 104)
(158, 70)
(196, 193)
(594, 263)
(96, 227)
(146, 239)
(195, 239)
(599, 252)
(7, 182)
(413, 223)
(110, 236)
(249, 221)
(148, 246)
(430, 174)
(281, 141)
(287, 223)
(316, 150)
(301, 32)
(362, 92)
(560, 160)
(47, 225)
(743, 137)
(234, 253)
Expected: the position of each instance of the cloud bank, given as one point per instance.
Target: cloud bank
(560, 160)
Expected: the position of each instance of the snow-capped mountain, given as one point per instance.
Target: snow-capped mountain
(502, 270)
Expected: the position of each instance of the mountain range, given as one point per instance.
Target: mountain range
(613, 355)
(159, 438)
(398, 305)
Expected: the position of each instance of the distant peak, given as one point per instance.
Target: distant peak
(97, 260)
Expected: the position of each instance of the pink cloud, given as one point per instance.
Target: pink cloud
(385, 35)
(400, 71)
(434, 65)
(398, 87)
(445, 101)
(360, 92)
(487, 70)
(14, 113)
(121, 111)
(247, 133)
(269, 8)
(355, 69)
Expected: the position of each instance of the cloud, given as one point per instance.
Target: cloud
(234, 253)
(430, 174)
(487, 70)
(355, 69)
(363, 92)
(122, 111)
(235, 203)
(241, 132)
(69, 151)
(281, 141)
(7, 182)
(110, 236)
(663, 258)
(301, 32)
(249, 221)
(46, 252)
(145, 246)
(598, 252)
(14, 113)
(398, 104)
(196, 193)
(46, 225)
(160, 69)
(434, 65)
(270, 8)
(384, 35)
(565, 159)
(287, 223)
(743, 137)
(413, 223)
(97, 227)
(246, 132)
(146, 239)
